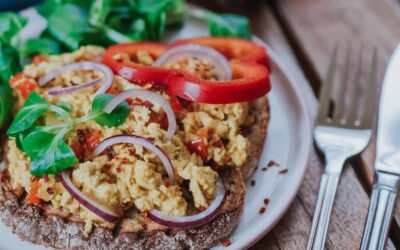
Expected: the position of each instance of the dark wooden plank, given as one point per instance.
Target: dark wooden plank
(315, 26)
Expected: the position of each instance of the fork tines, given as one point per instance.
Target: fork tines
(342, 109)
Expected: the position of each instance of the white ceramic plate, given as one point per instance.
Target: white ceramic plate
(288, 143)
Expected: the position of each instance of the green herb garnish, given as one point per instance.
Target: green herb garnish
(112, 119)
(44, 142)
(34, 107)
(53, 156)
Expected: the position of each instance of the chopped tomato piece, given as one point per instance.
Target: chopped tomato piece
(38, 59)
(175, 104)
(24, 84)
(148, 104)
(164, 122)
(79, 150)
(198, 147)
(86, 144)
(15, 78)
(202, 133)
(91, 140)
(112, 91)
(31, 198)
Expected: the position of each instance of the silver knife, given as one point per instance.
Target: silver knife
(387, 164)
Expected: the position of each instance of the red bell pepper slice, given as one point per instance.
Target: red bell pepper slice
(231, 48)
(136, 72)
(250, 76)
(251, 81)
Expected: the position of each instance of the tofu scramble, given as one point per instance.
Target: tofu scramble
(129, 176)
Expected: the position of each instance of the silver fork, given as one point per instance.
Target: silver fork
(340, 137)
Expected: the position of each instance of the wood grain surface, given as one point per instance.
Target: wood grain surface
(351, 203)
(304, 34)
(315, 26)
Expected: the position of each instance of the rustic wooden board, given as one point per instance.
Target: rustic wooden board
(315, 26)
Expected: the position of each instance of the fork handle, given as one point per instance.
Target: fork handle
(380, 212)
(322, 212)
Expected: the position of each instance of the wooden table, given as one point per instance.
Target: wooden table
(304, 33)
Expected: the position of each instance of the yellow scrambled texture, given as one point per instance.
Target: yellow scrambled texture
(129, 176)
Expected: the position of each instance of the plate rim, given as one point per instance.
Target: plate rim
(304, 158)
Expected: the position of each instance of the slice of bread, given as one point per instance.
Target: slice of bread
(42, 225)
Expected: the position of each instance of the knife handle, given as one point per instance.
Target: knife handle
(380, 212)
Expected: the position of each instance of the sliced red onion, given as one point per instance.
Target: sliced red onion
(63, 91)
(150, 96)
(175, 54)
(100, 210)
(192, 220)
(141, 141)
(86, 65)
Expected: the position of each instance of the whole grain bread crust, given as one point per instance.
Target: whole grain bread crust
(256, 133)
(41, 225)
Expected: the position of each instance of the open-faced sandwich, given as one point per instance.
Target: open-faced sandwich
(137, 146)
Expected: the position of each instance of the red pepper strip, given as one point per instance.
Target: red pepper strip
(231, 48)
(251, 78)
(136, 72)
(251, 81)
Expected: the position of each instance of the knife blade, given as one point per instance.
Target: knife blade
(388, 134)
(387, 164)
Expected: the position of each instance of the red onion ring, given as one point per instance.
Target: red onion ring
(86, 65)
(175, 54)
(141, 141)
(192, 220)
(150, 96)
(61, 91)
(100, 210)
